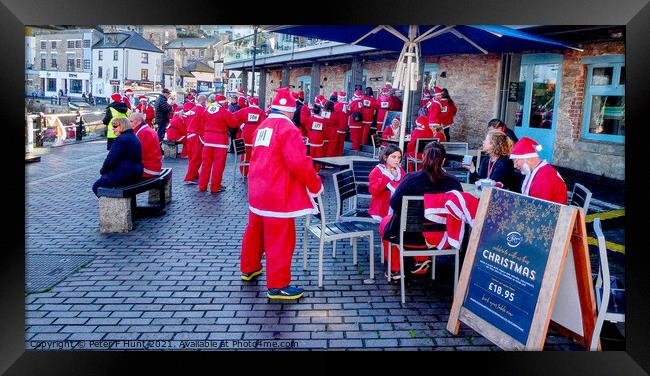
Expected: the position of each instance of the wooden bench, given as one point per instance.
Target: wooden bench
(170, 149)
(118, 205)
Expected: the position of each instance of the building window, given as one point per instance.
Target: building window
(192, 52)
(78, 65)
(77, 43)
(114, 55)
(76, 86)
(604, 108)
(54, 63)
(201, 53)
(145, 58)
(115, 73)
(86, 43)
(43, 64)
(53, 44)
(70, 44)
(43, 44)
(99, 57)
(144, 75)
(99, 72)
(51, 84)
(86, 64)
(70, 64)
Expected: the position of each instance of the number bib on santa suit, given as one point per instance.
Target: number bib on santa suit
(384, 104)
(253, 118)
(263, 137)
(213, 109)
(326, 114)
(316, 126)
(366, 103)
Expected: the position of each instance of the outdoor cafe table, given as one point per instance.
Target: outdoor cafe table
(472, 189)
(343, 162)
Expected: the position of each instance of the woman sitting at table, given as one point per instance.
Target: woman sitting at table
(384, 179)
(391, 132)
(422, 130)
(432, 178)
(498, 167)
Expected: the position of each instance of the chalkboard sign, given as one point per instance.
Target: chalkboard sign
(390, 115)
(513, 91)
(512, 269)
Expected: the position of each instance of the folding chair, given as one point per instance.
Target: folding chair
(412, 220)
(420, 144)
(580, 197)
(453, 165)
(603, 290)
(240, 149)
(333, 231)
(361, 170)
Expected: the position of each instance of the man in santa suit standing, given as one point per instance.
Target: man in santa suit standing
(435, 109)
(382, 107)
(422, 130)
(331, 136)
(177, 128)
(128, 99)
(356, 117)
(305, 113)
(316, 129)
(241, 99)
(217, 121)
(367, 114)
(426, 97)
(341, 114)
(541, 180)
(395, 102)
(282, 186)
(194, 121)
(145, 109)
(250, 118)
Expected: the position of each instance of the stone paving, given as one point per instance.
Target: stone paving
(173, 281)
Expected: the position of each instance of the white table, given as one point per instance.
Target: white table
(342, 162)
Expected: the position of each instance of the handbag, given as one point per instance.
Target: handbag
(356, 117)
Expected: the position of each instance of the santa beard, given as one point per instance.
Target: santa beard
(525, 168)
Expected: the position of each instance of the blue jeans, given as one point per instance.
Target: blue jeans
(103, 181)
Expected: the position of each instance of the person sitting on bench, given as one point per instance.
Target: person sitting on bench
(123, 164)
(151, 155)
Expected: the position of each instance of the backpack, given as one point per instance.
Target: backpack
(423, 111)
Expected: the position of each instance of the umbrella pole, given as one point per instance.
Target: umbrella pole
(407, 95)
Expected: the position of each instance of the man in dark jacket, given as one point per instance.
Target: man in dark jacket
(162, 109)
(117, 108)
(123, 164)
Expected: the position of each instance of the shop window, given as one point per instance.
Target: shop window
(51, 84)
(604, 108)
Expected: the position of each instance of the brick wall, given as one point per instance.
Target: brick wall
(601, 158)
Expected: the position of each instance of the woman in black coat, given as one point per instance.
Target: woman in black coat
(123, 164)
(497, 166)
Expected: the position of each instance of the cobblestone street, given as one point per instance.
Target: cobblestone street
(175, 277)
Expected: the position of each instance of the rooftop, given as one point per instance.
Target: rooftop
(126, 39)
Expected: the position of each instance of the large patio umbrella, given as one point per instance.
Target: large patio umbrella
(415, 40)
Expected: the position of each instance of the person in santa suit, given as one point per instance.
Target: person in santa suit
(128, 99)
(383, 181)
(367, 114)
(382, 107)
(177, 129)
(146, 109)
(392, 131)
(305, 113)
(426, 97)
(435, 109)
(541, 180)
(250, 118)
(316, 133)
(421, 130)
(296, 115)
(282, 186)
(216, 122)
(194, 121)
(356, 125)
(151, 155)
(448, 112)
(241, 99)
(331, 136)
(395, 102)
(341, 114)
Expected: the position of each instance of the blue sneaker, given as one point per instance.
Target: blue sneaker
(249, 276)
(287, 293)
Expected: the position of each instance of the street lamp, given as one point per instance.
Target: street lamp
(254, 57)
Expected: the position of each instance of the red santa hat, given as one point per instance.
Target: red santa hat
(422, 120)
(142, 98)
(301, 94)
(335, 94)
(283, 100)
(128, 91)
(254, 101)
(116, 97)
(388, 86)
(426, 94)
(342, 95)
(188, 106)
(437, 91)
(221, 99)
(320, 100)
(357, 94)
(525, 148)
(241, 91)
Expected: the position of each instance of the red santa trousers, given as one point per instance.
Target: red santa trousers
(194, 154)
(365, 133)
(340, 143)
(317, 152)
(213, 163)
(355, 137)
(184, 148)
(394, 254)
(276, 237)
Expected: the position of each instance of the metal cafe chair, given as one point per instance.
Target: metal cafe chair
(420, 144)
(240, 149)
(580, 197)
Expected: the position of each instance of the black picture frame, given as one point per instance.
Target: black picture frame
(15, 14)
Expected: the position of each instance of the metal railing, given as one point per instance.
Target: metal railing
(269, 44)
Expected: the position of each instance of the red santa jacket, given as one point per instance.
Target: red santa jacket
(148, 111)
(368, 109)
(242, 102)
(452, 209)
(381, 186)
(435, 112)
(355, 106)
(341, 114)
(421, 131)
(176, 130)
(545, 183)
(330, 124)
(305, 114)
(251, 117)
(194, 121)
(316, 127)
(282, 179)
(440, 136)
(395, 103)
(448, 113)
(217, 120)
(382, 105)
(151, 155)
